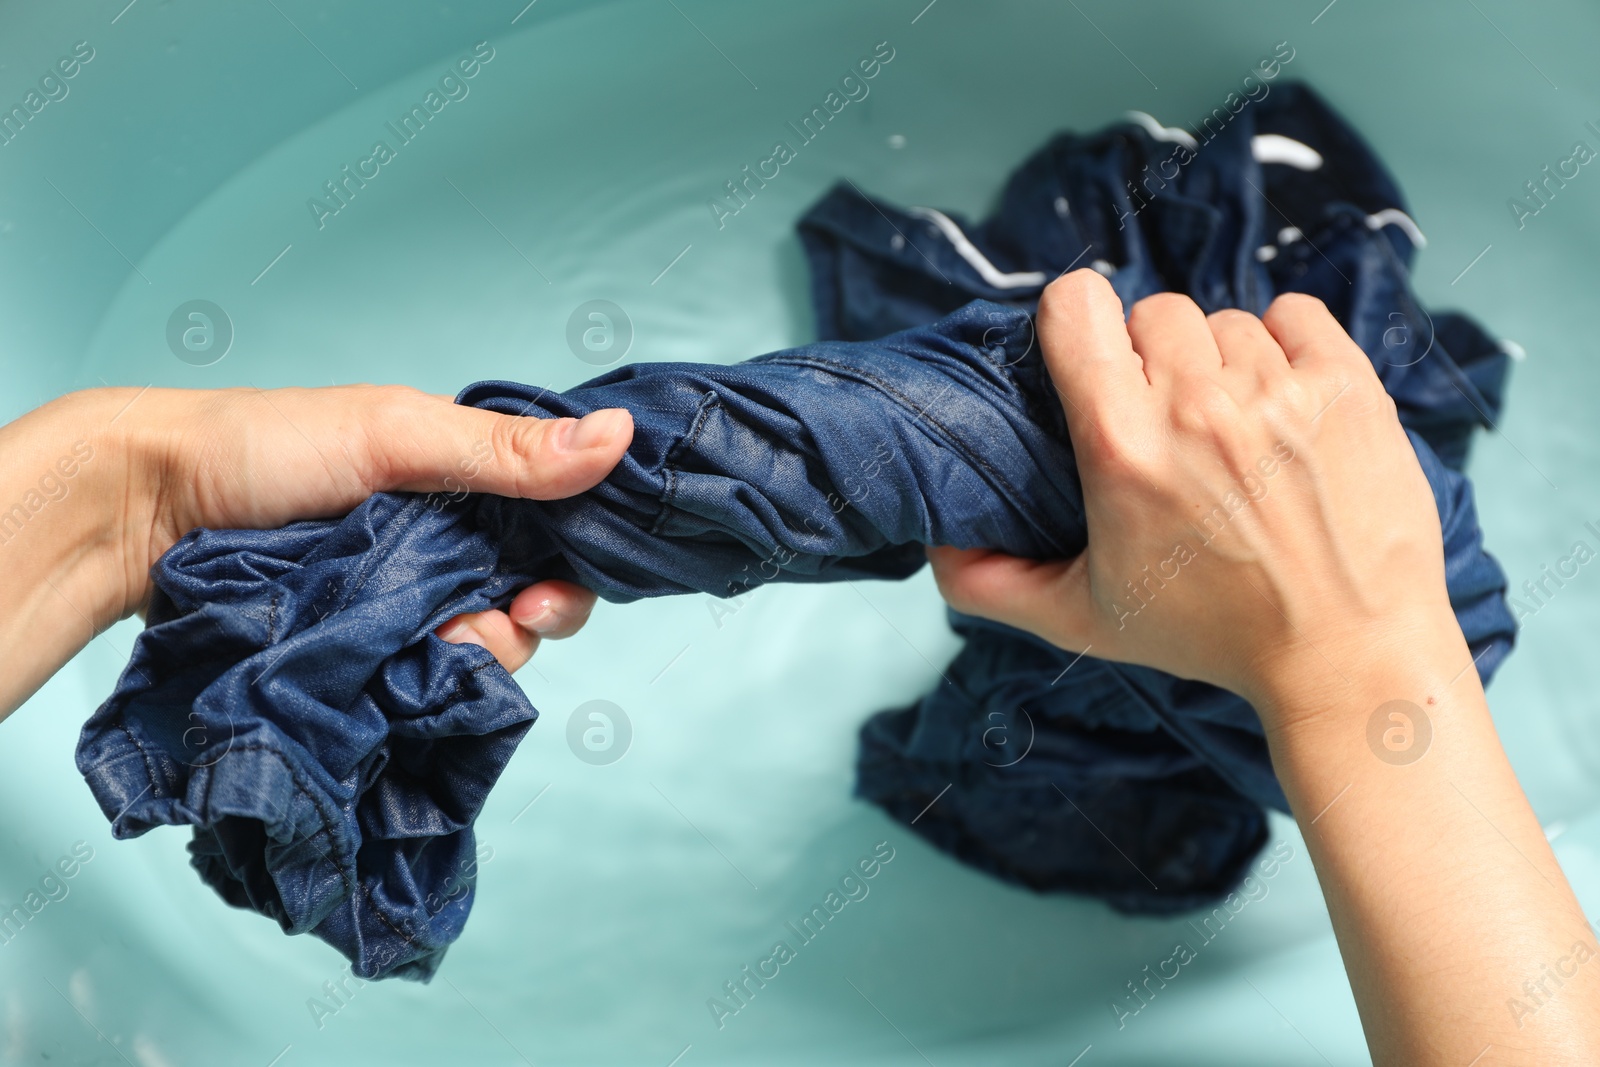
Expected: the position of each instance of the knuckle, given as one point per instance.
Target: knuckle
(1232, 324)
(400, 396)
(1232, 317)
(518, 445)
(1191, 421)
(1297, 304)
(1366, 389)
(1202, 407)
(373, 419)
(394, 405)
(1381, 402)
(1285, 395)
(1159, 306)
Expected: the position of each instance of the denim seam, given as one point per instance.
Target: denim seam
(149, 768)
(461, 684)
(669, 467)
(294, 777)
(671, 471)
(122, 720)
(346, 872)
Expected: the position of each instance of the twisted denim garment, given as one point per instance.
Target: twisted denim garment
(289, 701)
(1138, 787)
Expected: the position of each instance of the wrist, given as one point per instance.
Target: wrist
(97, 541)
(1310, 688)
(63, 493)
(1404, 718)
(148, 441)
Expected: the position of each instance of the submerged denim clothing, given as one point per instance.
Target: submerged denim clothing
(1156, 798)
(289, 701)
(1337, 232)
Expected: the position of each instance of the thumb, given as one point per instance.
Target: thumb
(1047, 598)
(455, 449)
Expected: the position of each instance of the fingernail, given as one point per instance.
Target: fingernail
(456, 631)
(541, 620)
(593, 430)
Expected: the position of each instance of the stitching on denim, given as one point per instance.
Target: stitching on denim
(149, 768)
(674, 455)
(410, 939)
(461, 685)
(122, 714)
(669, 489)
(347, 873)
(299, 788)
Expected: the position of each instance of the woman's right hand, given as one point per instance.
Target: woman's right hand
(1258, 470)
(1255, 512)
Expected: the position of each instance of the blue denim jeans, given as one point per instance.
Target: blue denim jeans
(1134, 779)
(290, 703)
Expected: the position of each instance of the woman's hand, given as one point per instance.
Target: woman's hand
(1231, 537)
(1258, 519)
(165, 461)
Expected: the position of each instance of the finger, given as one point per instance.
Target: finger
(1169, 332)
(552, 609)
(1086, 347)
(1310, 337)
(418, 443)
(1249, 354)
(509, 643)
(1049, 599)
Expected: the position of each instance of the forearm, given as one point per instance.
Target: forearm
(62, 552)
(1457, 927)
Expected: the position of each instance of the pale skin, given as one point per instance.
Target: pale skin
(1318, 601)
(1321, 599)
(164, 461)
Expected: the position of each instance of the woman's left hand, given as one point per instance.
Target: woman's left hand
(165, 461)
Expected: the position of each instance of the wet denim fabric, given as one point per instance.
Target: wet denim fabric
(1137, 787)
(290, 703)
